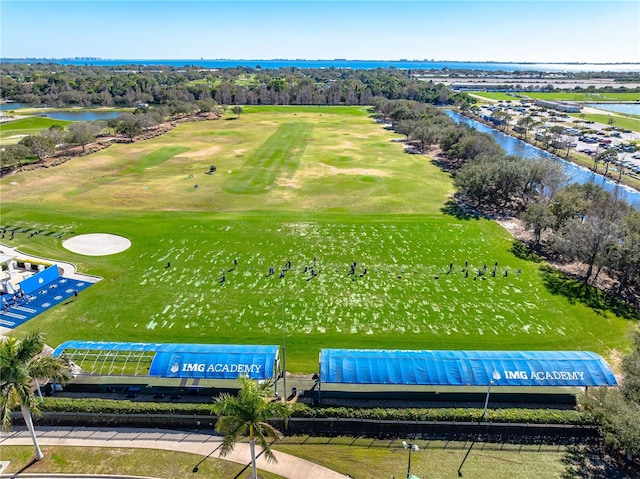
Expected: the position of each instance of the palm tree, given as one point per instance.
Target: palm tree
(245, 415)
(22, 364)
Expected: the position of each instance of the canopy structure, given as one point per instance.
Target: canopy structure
(464, 368)
(197, 361)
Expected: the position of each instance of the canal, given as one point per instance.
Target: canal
(575, 173)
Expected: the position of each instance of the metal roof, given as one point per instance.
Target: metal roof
(171, 360)
(464, 368)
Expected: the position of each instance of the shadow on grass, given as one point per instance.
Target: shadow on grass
(26, 467)
(522, 251)
(577, 291)
(459, 211)
(592, 462)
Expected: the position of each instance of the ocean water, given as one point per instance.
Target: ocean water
(344, 63)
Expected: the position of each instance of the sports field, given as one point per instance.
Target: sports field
(292, 185)
(563, 96)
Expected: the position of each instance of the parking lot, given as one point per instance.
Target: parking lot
(586, 137)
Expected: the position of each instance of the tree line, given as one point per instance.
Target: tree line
(66, 85)
(570, 221)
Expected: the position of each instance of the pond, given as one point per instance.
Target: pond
(628, 108)
(516, 147)
(12, 106)
(81, 115)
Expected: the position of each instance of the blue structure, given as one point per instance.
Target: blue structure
(464, 368)
(40, 293)
(190, 361)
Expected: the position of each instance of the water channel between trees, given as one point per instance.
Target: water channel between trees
(575, 173)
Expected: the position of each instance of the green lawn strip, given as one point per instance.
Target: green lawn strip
(498, 96)
(113, 461)
(620, 121)
(278, 156)
(27, 126)
(585, 97)
(369, 458)
(155, 159)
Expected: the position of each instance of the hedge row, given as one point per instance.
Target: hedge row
(512, 415)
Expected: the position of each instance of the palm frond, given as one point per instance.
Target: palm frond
(52, 368)
(29, 347)
(8, 403)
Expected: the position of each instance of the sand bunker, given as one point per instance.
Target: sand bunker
(96, 244)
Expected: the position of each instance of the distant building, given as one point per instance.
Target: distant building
(560, 106)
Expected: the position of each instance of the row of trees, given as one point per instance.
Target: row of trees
(59, 85)
(37, 147)
(618, 410)
(576, 222)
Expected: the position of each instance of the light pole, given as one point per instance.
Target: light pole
(284, 356)
(411, 447)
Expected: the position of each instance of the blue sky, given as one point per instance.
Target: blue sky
(508, 30)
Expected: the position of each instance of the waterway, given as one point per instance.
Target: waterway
(575, 173)
(628, 108)
(344, 63)
(82, 115)
(11, 106)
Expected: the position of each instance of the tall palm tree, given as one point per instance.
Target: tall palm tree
(245, 415)
(22, 364)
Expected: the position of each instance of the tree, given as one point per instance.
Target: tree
(426, 134)
(237, 110)
(607, 157)
(83, 133)
(618, 411)
(526, 122)
(11, 155)
(246, 415)
(22, 364)
(128, 125)
(55, 134)
(38, 146)
(405, 127)
(537, 216)
(593, 239)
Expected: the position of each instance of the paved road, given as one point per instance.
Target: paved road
(195, 443)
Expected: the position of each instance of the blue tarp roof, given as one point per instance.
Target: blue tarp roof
(464, 368)
(205, 361)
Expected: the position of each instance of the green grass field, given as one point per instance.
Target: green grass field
(562, 96)
(293, 184)
(13, 131)
(121, 461)
(621, 121)
(359, 457)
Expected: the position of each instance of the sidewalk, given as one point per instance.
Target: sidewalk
(196, 443)
(69, 269)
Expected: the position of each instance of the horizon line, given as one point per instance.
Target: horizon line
(405, 60)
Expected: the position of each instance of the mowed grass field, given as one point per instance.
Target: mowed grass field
(360, 458)
(292, 185)
(563, 96)
(13, 131)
